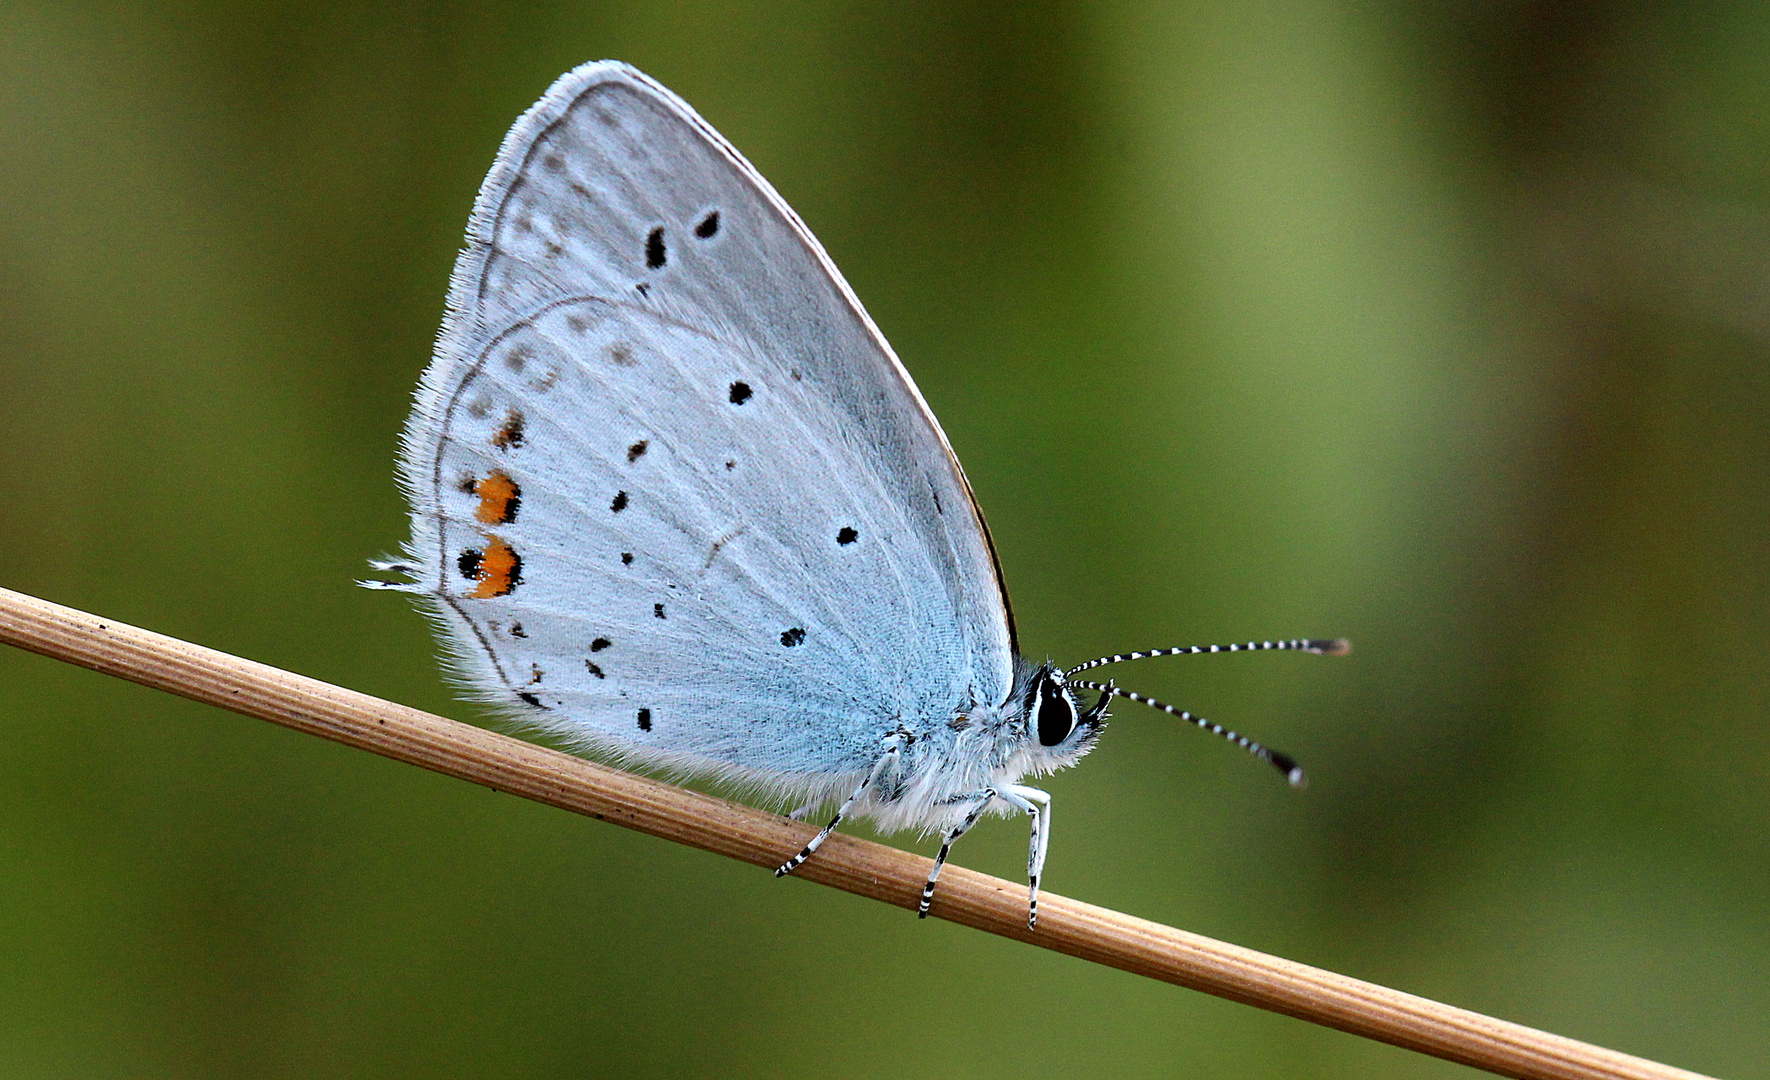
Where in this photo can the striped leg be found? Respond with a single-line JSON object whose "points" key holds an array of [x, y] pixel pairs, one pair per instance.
{"points": [[946, 845], [887, 758], [1038, 804]]}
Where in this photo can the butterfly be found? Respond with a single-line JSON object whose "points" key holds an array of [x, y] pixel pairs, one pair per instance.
{"points": [[676, 503]]}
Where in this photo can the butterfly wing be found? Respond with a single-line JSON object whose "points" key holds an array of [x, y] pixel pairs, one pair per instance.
{"points": [[672, 491]]}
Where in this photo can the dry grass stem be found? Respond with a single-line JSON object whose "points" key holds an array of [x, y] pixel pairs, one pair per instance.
{"points": [[857, 866]]}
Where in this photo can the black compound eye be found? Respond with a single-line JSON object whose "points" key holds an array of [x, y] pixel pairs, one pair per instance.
{"points": [[1057, 716]]}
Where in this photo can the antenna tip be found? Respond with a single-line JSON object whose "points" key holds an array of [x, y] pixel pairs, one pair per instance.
{"points": [[1335, 647], [1293, 772]]}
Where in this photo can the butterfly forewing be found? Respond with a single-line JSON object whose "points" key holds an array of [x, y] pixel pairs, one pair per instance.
{"points": [[670, 485]]}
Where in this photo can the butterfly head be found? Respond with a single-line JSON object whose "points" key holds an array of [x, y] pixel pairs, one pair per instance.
{"points": [[1058, 730]]}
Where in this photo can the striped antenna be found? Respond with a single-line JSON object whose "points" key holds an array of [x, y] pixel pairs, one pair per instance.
{"points": [[1318, 646], [1284, 763]]}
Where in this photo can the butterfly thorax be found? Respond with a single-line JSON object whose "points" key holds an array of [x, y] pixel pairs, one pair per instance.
{"points": [[939, 774]]}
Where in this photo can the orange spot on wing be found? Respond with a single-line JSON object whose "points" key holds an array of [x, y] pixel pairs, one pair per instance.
{"points": [[498, 499], [500, 568], [509, 436]]}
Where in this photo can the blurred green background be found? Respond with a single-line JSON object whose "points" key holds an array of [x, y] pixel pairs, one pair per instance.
{"points": [[1445, 327]]}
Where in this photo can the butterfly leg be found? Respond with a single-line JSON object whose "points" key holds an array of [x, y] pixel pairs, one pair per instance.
{"points": [[1038, 805], [893, 748], [982, 800]]}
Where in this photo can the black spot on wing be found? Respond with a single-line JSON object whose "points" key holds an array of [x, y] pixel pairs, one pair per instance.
{"points": [[600, 644], [846, 535], [516, 630], [619, 502], [708, 226], [644, 719], [740, 392], [637, 450], [792, 637], [654, 249], [626, 558], [469, 563], [530, 699], [594, 670], [657, 611]]}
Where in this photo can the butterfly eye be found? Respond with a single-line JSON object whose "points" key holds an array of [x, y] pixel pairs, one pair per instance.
{"points": [[1057, 714]]}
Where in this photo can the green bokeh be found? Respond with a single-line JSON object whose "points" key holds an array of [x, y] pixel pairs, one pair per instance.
{"points": [[1443, 327]]}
